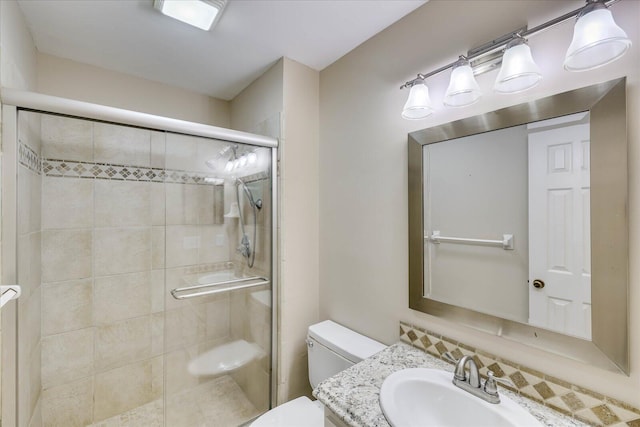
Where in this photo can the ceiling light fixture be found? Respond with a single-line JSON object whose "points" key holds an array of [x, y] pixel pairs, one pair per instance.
{"points": [[199, 13], [597, 41]]}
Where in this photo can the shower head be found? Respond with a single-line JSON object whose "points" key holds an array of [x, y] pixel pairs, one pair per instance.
{"points": [[253, 202], [245, 248]]}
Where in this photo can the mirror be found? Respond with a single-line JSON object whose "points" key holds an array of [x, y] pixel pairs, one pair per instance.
{"points": [[518, 223]]}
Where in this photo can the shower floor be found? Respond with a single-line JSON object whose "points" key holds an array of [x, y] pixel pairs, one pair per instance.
{"points": [[216, 403]]}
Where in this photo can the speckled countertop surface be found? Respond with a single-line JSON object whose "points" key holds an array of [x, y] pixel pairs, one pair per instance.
{"points": [[353, 394]]}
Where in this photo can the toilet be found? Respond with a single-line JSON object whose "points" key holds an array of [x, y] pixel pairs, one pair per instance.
{"points": [[331, 348]]}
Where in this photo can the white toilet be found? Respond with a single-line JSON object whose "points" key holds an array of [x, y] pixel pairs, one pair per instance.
{"points": [[332, 348]]}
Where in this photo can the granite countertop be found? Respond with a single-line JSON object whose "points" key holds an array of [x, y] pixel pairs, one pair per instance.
{"points": [[353, 394]]}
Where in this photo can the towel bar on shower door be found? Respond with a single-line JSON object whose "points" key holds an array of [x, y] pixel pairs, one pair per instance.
{"points": [[7, 293], [506, 243], [261, 281]]}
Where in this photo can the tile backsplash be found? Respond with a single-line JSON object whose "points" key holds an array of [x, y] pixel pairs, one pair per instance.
{"points": [[585, 405]]}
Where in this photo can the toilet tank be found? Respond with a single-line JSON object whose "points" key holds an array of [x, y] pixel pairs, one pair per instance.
{"points": [[333, 348]]}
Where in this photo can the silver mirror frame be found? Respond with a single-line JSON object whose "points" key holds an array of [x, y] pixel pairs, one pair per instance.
{"points": [[609, 348]]}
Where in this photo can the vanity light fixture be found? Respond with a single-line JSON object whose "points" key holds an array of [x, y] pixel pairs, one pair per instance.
{"points": [[252, 158], [463, 89], [518, 72], [597, 41], [198, 13], [418, 105], [232, 159]]}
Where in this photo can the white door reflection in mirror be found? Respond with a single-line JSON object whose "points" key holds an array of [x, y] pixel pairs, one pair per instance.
{"points": [[559, 226]]}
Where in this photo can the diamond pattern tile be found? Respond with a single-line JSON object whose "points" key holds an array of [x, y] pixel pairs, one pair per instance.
{"points": [[544, 390], [519, 380], [572, 401], [496, 369], [457, 353], [62, 167], [29, 158], [79, 169], [53, 167], [583, 404], [441, 347], [425, 341], [604, 414]]}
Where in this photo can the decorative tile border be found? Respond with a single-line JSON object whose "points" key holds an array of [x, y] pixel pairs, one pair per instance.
{"points": [[585, 405], [74, 169], [29, 158]]}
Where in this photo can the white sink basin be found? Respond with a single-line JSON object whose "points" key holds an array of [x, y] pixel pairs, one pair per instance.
{"points": [[421, 397]]}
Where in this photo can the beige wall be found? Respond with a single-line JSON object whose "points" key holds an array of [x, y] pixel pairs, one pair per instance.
{"points": [[259, 101], [299, 179], [83, 82], [363, 165], [17, 51]]}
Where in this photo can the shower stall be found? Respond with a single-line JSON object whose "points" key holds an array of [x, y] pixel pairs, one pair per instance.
{"points": [[144, 248]]}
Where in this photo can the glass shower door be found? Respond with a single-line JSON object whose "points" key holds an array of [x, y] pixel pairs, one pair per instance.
{"points": [[110, 219], [218, 293]]}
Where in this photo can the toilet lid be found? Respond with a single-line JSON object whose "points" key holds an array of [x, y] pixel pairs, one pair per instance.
{"points": [[295, 413]]}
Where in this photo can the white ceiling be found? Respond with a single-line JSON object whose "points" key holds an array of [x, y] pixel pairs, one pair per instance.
{"points": [[132, 37]]}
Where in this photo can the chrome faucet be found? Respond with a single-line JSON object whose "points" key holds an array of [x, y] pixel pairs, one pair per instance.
{"points": [[471, 383]]}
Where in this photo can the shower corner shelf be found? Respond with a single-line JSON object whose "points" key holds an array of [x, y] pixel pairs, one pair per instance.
{"points": [[224, 358], [234, 211]]}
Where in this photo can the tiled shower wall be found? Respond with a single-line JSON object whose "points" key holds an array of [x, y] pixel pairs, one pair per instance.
{"points": [[118, 215], [102, 273]]}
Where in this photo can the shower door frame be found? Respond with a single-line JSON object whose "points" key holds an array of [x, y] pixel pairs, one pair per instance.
{"points": [[14, 100]]}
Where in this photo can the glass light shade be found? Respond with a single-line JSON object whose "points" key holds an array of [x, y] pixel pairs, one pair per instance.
{"points": [[212, 163], [229, 166], [418, 105], [597, 41], [463, 89], [243, 160], [252, 158], [518, 72]]}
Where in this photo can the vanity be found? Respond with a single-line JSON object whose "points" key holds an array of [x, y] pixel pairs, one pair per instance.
{"points": [[351, 398]]}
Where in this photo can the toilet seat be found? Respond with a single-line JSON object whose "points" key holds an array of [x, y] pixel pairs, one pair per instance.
{"points": [[295, 413]]}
